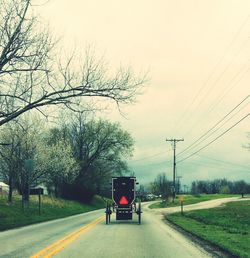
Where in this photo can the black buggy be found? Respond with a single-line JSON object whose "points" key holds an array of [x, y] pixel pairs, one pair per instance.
{"points": [[124, 200]]}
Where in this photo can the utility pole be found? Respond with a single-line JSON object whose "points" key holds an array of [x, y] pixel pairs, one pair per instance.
{"points": [[178, 184], [185, 189], [173, 142]]}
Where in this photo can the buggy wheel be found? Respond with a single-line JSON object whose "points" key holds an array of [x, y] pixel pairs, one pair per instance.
{"points": [[139, 213], [107, 214]]}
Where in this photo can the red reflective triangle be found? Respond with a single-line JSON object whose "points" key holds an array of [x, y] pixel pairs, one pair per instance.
{"points": [[123, 200]]}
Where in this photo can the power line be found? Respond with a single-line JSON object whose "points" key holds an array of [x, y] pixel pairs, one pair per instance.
{"points": [[166, 162], [224, 162], [214, 126], [214, 131], [226, 90], [212, 72], [151, 156], [219, 97], [189, 156], [220, 167], [219, 77]]}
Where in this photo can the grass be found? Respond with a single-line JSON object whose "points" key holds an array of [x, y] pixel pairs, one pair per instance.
{"points": [[189, 199], [227, 227], [12, 216]]}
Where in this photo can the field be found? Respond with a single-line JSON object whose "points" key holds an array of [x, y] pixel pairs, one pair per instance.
{"points": [[227, 227], [12, 216], [189, 199]]}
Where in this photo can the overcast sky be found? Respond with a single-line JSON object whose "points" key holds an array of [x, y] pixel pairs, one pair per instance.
{"points": [[197, 54]]}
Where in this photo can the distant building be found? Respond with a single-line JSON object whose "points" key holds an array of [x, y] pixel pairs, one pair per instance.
{"points": [[4, 188], [151, 196], [45, 189]]}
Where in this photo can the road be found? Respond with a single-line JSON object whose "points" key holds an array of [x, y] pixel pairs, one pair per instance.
{"points": [[200, 205], [86, 235]]}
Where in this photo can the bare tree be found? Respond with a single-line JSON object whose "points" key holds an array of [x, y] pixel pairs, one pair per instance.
{"points": [[21, 139], [98, 150], [30, 78], [161, 186], [8, 160]]}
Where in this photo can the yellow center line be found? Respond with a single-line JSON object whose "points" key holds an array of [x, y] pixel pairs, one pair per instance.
{"points": [[60, 244]]}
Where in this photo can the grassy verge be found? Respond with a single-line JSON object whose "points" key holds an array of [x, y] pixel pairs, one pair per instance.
{"points": [[12, 216], [227, 227], [189, 199]]}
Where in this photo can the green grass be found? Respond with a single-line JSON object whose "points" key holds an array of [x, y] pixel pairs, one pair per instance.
{"points": [[227, 227], [189, 199], [12, 216]]}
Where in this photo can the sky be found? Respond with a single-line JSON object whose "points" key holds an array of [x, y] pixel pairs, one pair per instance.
{"points": [[196, 53]]}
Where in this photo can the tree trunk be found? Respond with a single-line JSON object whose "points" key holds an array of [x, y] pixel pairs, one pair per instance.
{"points": [[10, 189], [56, 190]]}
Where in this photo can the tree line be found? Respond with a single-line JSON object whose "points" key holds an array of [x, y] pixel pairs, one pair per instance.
{"points": [[222, 186], [162, 186], [74, 159]]}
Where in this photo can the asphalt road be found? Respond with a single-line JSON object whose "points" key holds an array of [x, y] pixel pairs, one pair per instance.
{"points": [[152, 239], [26, 241], [86, 235]]}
